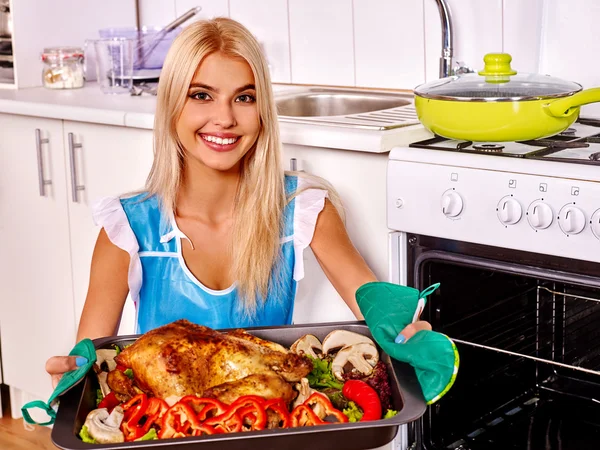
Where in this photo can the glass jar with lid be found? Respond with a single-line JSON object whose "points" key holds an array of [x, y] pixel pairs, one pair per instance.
{"points": [[63, 68]]}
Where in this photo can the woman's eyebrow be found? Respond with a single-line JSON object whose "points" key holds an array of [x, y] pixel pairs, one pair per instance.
{"points": [[246, 87], [213, 89], [203, 86]]}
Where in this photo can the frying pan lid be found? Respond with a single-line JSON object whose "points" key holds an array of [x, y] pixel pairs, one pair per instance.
{"points": [[497, 82]]}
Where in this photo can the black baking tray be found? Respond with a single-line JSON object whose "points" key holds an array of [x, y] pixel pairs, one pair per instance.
{"points": [[407, 399]]}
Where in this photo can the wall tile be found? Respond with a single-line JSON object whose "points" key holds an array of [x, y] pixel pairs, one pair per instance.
{"points": [[523, 32], [321, 38], [210, 8], [268, 21], [570, 44], [156, 13], [389, 43], [477, 30]]}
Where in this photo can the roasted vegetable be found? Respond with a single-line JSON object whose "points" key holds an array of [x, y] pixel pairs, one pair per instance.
{"points": [[321, 375], [364, 396], [276, 408], [353, 412], [378, 380], [109, 402], [321, 401], [180, 421], [85, 435]]}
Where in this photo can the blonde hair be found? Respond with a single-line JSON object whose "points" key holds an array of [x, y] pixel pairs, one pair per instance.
{"points": [[260, 200]]}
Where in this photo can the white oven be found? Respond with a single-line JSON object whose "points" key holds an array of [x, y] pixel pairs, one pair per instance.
{"points": [[512, 233]]}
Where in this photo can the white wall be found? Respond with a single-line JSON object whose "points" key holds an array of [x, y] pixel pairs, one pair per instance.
{"points": [[373, 43], [38, 24]]}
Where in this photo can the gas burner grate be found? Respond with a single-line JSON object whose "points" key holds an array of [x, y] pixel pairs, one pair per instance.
{"points": [[489, 148], [593, 139], [568, 132], [551, 144]]}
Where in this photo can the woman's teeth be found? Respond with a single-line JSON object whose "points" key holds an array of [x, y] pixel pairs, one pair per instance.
{"points": [[218, 140]]}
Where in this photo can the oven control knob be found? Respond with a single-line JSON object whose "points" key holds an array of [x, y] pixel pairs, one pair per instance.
{"points": [[595, 223], [540, 215], [452, 203], [571, 219], [509, 211]]}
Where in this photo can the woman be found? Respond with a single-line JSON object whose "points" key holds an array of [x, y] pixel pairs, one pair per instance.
{"points": [[218, 234]]}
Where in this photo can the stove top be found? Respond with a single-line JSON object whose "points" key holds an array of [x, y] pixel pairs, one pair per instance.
{"points": [[578, 144]]}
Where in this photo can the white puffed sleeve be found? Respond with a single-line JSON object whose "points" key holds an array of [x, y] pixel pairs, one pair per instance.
{"points": [[109, 214], [308, 204]]}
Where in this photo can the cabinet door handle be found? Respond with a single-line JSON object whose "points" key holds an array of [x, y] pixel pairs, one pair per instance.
{"points": [[74, 186], [40, 161]]}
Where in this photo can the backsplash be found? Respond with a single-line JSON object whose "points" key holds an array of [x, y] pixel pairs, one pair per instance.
{"points": [[371, 43]]}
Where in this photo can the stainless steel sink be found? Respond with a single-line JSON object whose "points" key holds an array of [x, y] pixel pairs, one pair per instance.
{"points": [[322, 102], [358, 108]]}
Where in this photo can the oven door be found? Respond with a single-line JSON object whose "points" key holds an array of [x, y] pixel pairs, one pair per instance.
{"points": [[527, 328]]}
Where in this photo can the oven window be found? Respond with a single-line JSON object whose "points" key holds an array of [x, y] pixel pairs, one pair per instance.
{"points": [[530, 359]]}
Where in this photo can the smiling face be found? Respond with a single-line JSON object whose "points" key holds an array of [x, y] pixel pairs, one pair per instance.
{"points": [[220, 122]]}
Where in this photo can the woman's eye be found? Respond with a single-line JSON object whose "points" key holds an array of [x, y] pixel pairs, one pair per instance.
{"points": [[246, 98], [200, 96]]}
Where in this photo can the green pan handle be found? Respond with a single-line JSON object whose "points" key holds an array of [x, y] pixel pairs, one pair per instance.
{"points": [[566, 106]]}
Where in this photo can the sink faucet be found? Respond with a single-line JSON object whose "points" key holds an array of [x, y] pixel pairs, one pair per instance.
{"points": [[447, 39]]}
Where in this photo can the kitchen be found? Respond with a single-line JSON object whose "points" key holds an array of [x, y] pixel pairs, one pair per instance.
{"points": [[382, 45]]}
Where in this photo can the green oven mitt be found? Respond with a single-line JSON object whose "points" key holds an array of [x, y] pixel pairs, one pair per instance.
{"points": [[387, 309], [84, 348]]}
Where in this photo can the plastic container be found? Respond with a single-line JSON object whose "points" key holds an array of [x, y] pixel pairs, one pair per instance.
{"points": [[114, 64], [407, 399], [63, 68], [145, 37]]}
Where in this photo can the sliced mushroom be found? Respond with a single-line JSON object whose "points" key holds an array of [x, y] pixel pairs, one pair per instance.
{"points": [[338, 339], [362, 356], [307, 345], [106, 355], [305, 391], [102, 377], [105, 427]]}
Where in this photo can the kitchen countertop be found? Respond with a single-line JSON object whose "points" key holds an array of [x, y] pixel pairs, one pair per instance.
{"points": [[89, 104]]}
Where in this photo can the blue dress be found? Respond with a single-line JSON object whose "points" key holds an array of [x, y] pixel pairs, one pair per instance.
{"points": [[164, 289]]}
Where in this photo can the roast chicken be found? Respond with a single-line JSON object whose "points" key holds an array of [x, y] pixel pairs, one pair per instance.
{"points": [[182, 358]]}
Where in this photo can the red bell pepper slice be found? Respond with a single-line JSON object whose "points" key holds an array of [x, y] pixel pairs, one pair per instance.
{"points": [[157, 408], [205, 407], [109, 402], [251, 410], [277, 405], [325, 403], [303, 416], [364, 396], [253, 418], [134, 409], [228, 422], [180, 420]]}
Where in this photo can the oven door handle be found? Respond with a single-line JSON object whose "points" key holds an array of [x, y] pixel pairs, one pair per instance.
{"points": [[517, 269]]}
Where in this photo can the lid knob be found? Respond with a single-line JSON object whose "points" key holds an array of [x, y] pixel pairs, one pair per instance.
{"points": [[497, 65]]}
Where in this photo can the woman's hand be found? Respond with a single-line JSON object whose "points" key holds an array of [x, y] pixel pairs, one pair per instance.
{"points": [[411, 329], [59, 365]]}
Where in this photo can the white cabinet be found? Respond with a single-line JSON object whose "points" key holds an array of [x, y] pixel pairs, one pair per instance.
{"points": [[106, 161], [47, 234], [360, 180], [36, 293]]}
